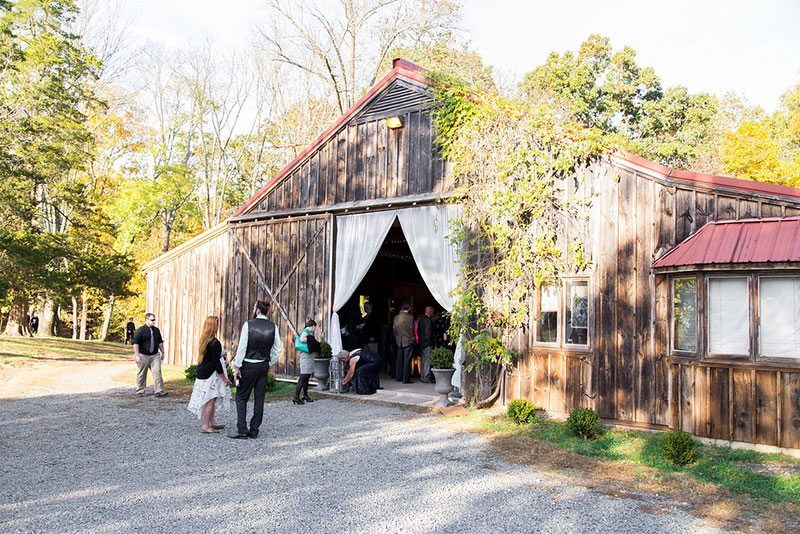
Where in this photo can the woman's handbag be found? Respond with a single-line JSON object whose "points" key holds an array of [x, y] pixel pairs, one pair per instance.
{"points": [[313, 345]]}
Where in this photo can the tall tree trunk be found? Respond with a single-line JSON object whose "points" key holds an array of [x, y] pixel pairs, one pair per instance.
{"points": [[84, 301], [17, 324], [107, 317], [74, 317], [47, 321]]}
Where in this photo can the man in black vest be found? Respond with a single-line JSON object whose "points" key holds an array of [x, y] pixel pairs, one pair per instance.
{"points": [[259, 347]]}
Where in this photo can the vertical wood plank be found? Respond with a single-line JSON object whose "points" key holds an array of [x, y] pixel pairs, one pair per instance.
{"points": [[766, 408], [743, 417], [719, 407], [626, 307], [726, 208], [790, 411]]}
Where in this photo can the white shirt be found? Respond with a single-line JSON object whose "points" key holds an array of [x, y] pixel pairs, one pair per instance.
{"points": [[241, 350]]}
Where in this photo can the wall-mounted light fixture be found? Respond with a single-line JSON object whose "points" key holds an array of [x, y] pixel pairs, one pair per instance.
{"points": [[394, 122]]}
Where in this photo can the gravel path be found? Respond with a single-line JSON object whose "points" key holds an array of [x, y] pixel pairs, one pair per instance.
{"points": [[110, 462]]}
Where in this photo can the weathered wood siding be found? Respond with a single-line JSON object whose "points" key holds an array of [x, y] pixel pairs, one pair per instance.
{"points": [[185, 288], [361, 162], [628, 375], [292, 257]]}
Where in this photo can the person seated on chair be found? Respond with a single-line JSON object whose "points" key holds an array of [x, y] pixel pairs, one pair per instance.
{"points": [[363, 368]]}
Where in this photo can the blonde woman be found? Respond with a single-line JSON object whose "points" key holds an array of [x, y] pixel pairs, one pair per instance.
{"points": [[211, 387]]}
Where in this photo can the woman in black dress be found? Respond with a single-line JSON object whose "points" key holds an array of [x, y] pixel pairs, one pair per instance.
{"points": [[363, 369]]}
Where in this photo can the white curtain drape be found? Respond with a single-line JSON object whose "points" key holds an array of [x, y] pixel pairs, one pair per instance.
{"points": [[427, 230], [358, 240]]}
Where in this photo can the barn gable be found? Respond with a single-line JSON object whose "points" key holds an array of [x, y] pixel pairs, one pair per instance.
{"points": [[359, 158]]}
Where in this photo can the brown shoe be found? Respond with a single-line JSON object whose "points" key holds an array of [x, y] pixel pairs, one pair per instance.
{"points": [[217, 427], [161, 394]]}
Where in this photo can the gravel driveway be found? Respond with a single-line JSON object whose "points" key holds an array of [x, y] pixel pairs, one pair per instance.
{"points": [[111, 462]]}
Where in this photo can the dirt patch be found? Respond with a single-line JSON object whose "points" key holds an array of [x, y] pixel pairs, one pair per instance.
{"points": [[771, 469], [58, 377]]}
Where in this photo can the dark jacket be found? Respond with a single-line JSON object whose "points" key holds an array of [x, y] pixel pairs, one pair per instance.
{"points": [[211, 360], [142, 338], [425, 331]]}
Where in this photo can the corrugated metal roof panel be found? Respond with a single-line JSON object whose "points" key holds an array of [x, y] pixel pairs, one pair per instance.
{"points": [[743, 241]]}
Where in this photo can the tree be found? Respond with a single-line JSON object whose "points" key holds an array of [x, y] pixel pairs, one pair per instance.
{"points": [[45, 88], [344, 45]]}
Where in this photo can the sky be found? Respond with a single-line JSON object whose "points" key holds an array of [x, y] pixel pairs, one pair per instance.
{"points": [[748, 47]]}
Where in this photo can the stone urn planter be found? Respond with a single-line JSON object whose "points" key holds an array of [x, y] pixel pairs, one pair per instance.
{"points": [[444, 386], [321, 366], [442, 367]]}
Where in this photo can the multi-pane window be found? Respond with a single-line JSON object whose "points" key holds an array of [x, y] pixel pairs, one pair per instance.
{"points": [[779, 317], [684, 314], [547, 320], [562, 316], [747, 316], [728, 316]]}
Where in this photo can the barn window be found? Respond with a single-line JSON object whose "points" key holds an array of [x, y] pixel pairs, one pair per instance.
{"points": [[563, 314], [779, 316], [684, 314], [576, 306], [728, 316], [547, 322]]}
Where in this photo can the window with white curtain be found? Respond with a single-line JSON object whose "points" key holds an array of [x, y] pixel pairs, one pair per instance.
{"points": [[547, 324], [728, 316], [779, 317], [684, 314]]}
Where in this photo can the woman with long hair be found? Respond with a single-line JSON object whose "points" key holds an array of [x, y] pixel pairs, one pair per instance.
{"points": [[307, 355], [211, 386]]}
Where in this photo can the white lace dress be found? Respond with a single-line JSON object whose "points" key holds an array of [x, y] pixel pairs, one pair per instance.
{"points": [[210, 388]]}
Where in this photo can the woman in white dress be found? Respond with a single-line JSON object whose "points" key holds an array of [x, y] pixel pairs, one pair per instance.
{"points": [[211, 387]]}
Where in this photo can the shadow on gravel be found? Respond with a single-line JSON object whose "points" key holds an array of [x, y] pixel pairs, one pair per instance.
{"points": [[116, 463]]}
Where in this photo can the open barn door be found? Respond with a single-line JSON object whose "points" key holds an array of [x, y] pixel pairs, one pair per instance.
{"points": [[286, 262]]}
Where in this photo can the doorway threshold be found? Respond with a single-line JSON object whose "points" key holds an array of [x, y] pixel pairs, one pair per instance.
{"points": [[414, 394]]}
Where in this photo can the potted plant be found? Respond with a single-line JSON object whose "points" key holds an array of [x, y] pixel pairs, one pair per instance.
{"points": [[321, 366], [442, 367]]}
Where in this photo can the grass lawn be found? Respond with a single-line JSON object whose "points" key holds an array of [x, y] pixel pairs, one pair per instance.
{"points": [[176, 383], [15, 349], [729, 486]]}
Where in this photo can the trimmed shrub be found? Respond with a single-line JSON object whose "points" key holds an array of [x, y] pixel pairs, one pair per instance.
{"points": [[441, 358], [584, 423], [272, 384], [325, 351], [522, 412], [679, 447], [191, 373]]}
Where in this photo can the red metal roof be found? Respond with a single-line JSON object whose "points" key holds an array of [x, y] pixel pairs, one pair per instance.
{"points": [[768, 240], [710, 179]]}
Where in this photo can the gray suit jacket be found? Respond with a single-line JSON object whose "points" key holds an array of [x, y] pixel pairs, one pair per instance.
{"points": [[404, 329]]}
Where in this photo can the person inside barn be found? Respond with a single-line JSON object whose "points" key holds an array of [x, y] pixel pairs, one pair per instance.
{"points": [[403, 327], [259, 348], [363, 367]]}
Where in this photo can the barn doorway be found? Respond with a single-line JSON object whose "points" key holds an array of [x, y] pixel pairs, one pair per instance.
{"points": [[393, 278]]}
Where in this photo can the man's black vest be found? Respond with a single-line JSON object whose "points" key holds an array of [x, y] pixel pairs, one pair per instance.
{"points": [[260, 337]]}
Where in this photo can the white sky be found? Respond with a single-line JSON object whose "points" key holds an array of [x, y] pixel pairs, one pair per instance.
{"points": [[750, 47]]}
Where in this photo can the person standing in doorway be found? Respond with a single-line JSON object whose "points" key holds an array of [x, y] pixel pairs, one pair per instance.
{"points": [[425, 332], [259, 348], [403, 328], [148, 352], [130, 329], [369, 329]]}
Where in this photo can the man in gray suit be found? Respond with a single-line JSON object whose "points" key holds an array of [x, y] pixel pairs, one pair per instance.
{"points": [[404, 337]]}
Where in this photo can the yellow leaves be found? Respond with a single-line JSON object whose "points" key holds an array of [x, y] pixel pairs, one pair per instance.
{"points": [[752, 153]]}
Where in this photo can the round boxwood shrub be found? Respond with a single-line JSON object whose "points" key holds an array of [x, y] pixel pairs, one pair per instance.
{"points": [[441, 358], [325, 351], [584, 423], [272, 384], [679, 447], [522, 412]]}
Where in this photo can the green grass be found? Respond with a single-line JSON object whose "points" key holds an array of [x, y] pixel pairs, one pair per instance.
{"points": [[715, 465], [32, 348]]}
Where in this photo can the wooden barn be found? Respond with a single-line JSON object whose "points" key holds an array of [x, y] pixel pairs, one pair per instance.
{"points": [[689, 316]]}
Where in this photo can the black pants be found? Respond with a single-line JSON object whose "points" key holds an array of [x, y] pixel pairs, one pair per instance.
{"points": [[253, 380], [302, 384], [402, 366]]}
